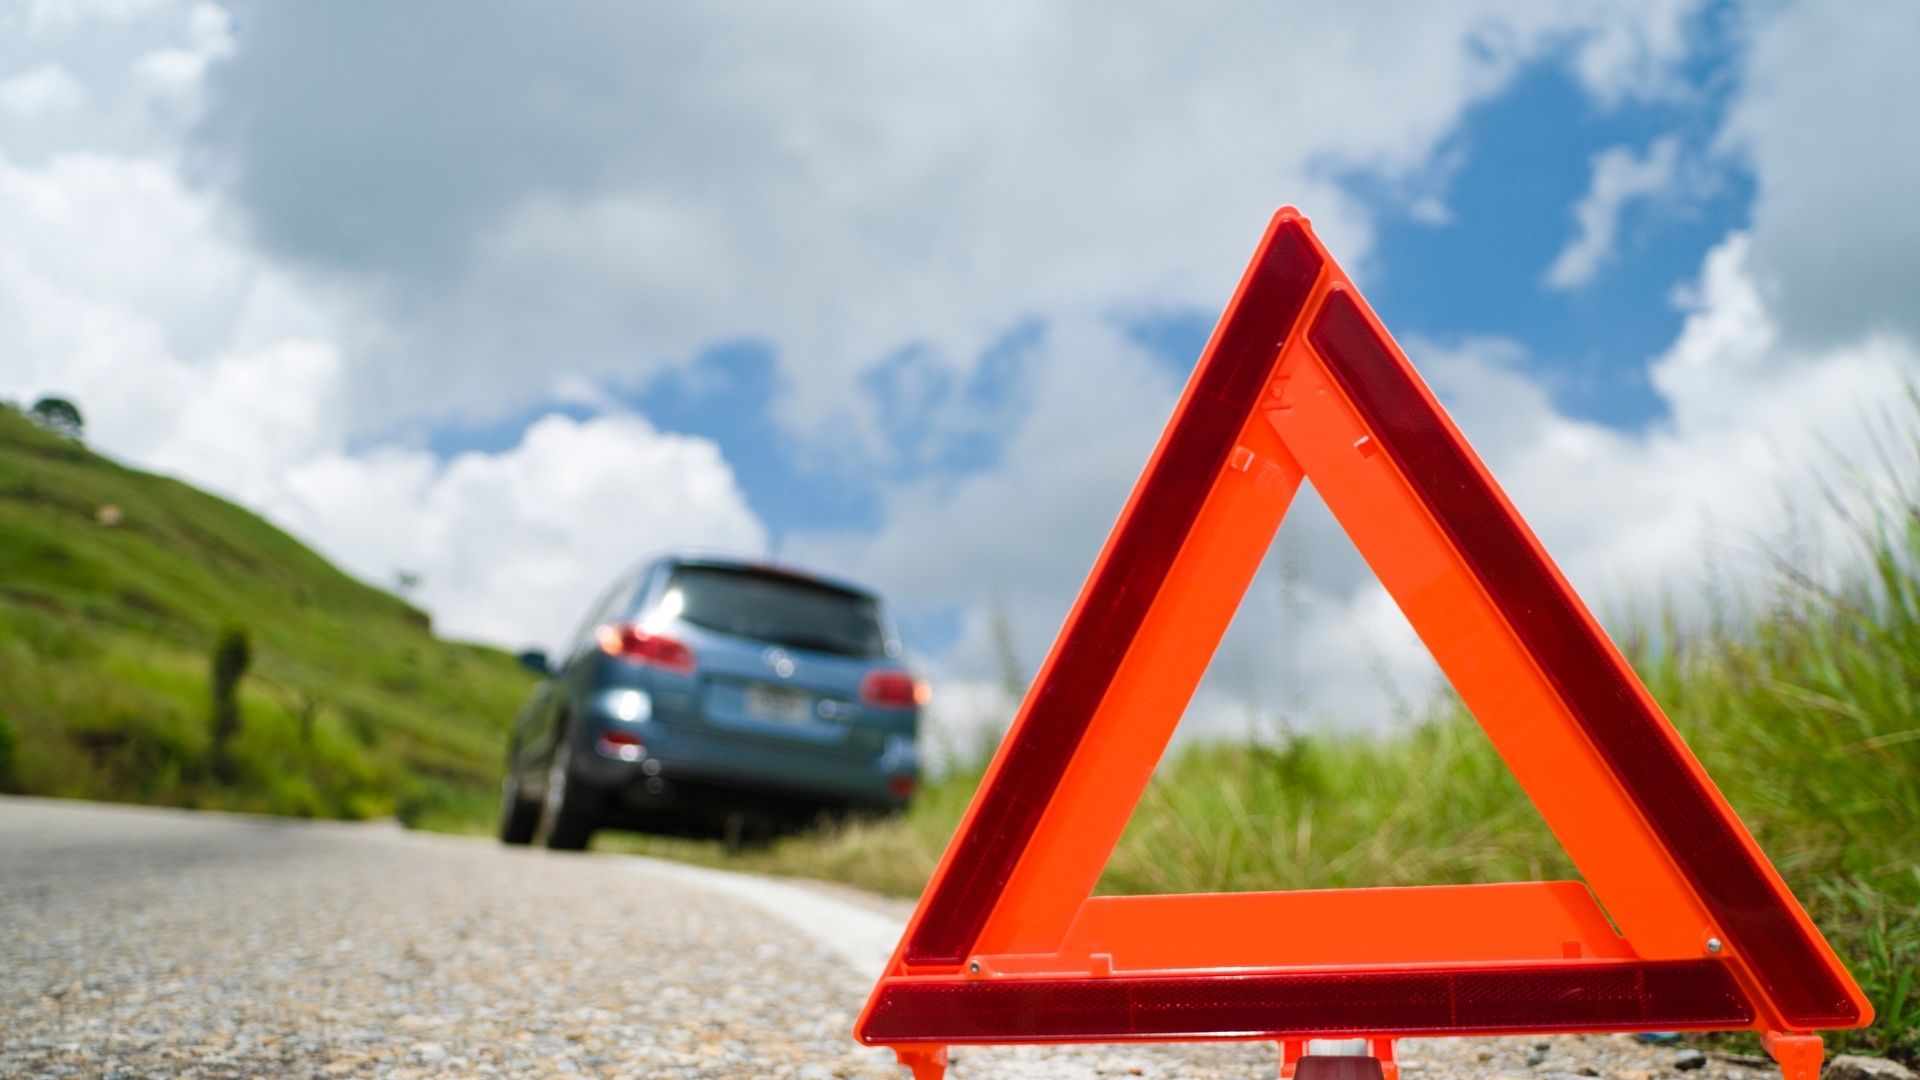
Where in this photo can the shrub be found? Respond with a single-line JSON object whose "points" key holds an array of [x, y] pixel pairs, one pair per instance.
{"points": [[6, 753], [231, 656], [58, 415]]}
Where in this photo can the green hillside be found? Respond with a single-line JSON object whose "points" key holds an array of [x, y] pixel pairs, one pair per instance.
{"points": [[115, 586]]}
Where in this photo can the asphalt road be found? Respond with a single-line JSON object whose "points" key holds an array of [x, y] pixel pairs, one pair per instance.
{"points": [[140, 942]]}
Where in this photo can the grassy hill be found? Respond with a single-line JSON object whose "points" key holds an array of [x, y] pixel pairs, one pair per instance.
{"points": [[114, 587]]}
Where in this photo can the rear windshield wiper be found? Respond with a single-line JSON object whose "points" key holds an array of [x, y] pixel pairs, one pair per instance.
{"points": [[821, 644]]}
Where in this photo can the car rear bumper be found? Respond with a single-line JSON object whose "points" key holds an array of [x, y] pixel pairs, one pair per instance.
{"points": [[650, 758]]}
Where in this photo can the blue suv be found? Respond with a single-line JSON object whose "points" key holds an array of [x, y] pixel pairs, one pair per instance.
{"points": [[714, 696]]}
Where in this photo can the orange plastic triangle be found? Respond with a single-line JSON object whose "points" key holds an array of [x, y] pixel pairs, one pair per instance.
{"points": [[1301, 381]]}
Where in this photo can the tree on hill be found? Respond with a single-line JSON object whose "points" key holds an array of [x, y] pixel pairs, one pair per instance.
{"points": [[58, 415]]}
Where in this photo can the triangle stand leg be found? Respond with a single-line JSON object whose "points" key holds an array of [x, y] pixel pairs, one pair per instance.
{"points": [[1354, 1067], [927, 1062], [1301, 1060], [1799, 1055]]}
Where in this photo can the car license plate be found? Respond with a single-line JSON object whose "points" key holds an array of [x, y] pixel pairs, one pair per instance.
{"points": [[779, 703]]}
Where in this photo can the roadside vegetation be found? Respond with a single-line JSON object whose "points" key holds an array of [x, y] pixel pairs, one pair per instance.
{"points": [[161, 645], [1806, 712]]}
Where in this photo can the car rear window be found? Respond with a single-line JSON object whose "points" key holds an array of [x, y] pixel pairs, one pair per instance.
{"points": [[780, 609]]}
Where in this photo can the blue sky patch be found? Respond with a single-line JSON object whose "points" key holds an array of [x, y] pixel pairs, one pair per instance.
{"points": [[1522, 161], [727, 395], [1527, 161]]}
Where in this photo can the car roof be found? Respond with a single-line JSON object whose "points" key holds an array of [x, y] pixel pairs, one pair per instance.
{"points": [[769, 569]]}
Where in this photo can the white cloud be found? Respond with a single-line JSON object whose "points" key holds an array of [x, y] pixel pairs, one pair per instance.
{"points": [[1825, 105], [41, 92], [121, 287], [613, 191], [63, 16], [1756, 428], [1027, 531], [1619, 178], [1637, 58], [174, 74], [514, 545]]}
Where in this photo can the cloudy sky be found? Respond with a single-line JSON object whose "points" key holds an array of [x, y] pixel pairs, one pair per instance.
{"points": [[510, 296]]}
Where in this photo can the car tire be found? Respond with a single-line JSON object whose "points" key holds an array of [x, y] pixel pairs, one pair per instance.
{"points": [[569, 811], [518, 817]]}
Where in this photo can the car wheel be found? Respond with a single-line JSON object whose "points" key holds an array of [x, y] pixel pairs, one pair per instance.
{"points": [[567, 813], [518, 817]]}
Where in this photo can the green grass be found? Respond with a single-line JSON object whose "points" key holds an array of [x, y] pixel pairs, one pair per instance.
{"points": [[1807, 715], [352, 708], [1804, 714]]}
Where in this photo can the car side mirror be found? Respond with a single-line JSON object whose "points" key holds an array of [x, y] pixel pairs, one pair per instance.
{"points": [[535, 660]]}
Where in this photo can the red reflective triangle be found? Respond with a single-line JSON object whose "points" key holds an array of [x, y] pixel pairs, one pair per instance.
{"points": [[1301, 381]]}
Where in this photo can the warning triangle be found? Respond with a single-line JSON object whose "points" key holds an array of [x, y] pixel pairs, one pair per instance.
{"points": [[1300, 381]]}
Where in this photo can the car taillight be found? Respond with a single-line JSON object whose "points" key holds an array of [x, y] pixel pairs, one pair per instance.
{"points": [[629, 642], [901, 786], [892, 689], [623, 745]]}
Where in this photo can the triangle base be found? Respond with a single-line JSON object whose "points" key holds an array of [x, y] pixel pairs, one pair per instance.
{"points": [[1520, 999]]}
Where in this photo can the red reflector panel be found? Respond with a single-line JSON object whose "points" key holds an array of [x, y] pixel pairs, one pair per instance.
{"points": [[1636, 996], [1143, 550], [1600, 692]]}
